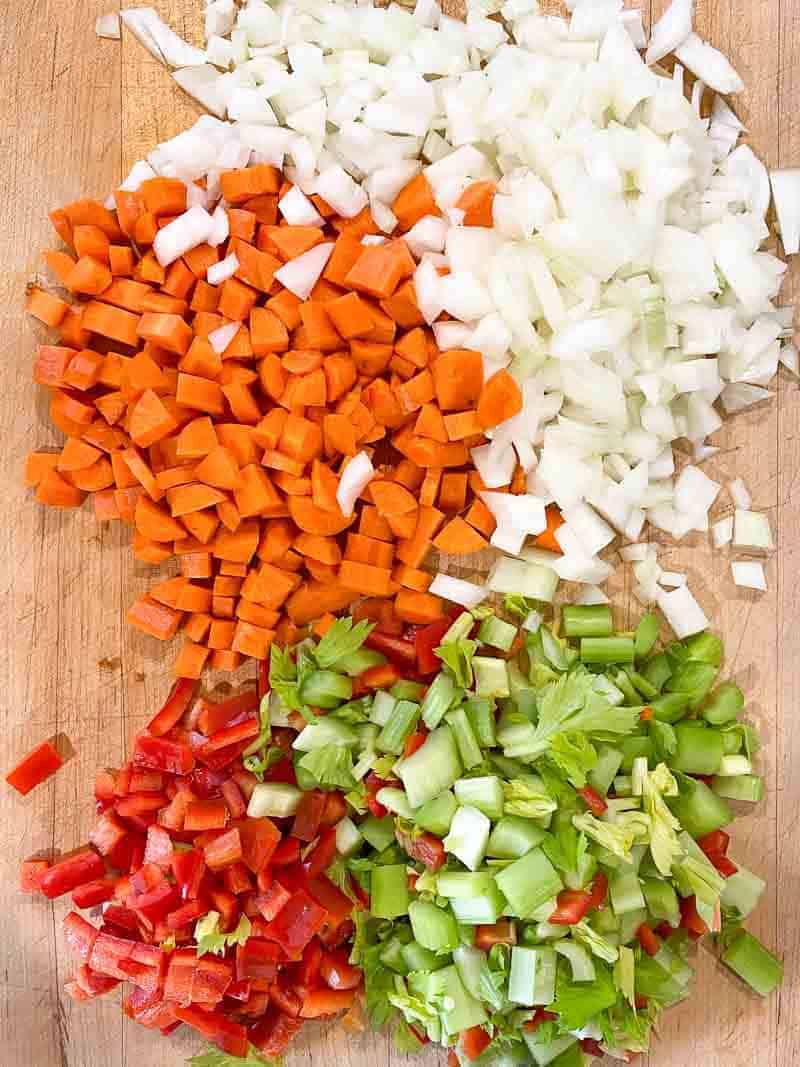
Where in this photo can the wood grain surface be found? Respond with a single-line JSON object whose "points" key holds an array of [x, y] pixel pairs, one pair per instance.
{"points": [[75, 112]]}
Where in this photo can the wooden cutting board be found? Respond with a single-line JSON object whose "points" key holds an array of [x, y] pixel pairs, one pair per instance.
{"points": [[75, 112]]}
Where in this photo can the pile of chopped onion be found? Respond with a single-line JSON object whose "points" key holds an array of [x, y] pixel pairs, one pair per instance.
{"points": [[623, 282]]}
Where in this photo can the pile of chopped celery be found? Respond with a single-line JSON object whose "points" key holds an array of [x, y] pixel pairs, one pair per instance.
{"points": [[538, 828]]}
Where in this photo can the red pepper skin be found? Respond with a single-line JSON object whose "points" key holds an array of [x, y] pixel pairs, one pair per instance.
{"points": [[690, 920], [539, 1016], [67, 875], [230, 1036], [272, 1034], [717, 841], [257, 963], [323, 855], [92, 893], [415, 742], [331, 898], [271, 902], [725, 866], [260, 838], [173, 708], [593, 801], [648, 940], [598, 891], [400, 652], [223, 850], [262, 679], [80, 935], [321, 1002], [335, 809], [39, 765], [503, 932], [163, 755], [285, 999], [425, 847], [296, 923], [592, 1047], [188, 869], [426, 640], [474, 1042], [288, 851], [573, 905], [309, 815], [231, 735], [187, 913]]}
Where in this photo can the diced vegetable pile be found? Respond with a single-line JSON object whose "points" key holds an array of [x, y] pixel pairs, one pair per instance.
{"points": [[520, 832]]}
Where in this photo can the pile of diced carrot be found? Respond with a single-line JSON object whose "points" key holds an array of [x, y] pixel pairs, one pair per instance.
{"points": [[231, 461]]}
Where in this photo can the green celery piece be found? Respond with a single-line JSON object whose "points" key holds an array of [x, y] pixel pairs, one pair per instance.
{"points": [[392, 956], [753, 963], [484, 793], [731, 742], [383, 705], [497, 633], [646, 636], [434, 928], [389, 897], [587, 620], [699, 749], [641, 684], [395, 801], [437, 815], [634, 747], [405, 690], [326, 731], [325, 689], [482, 910], [609, 761], [463, 1011], [468, 747], [275, 800], [529, 882], [526, 965], [417, 958], [724, 705], [629, 923], [577, 1002], [579, 960], [513, 836], [661, 899], [439, 698], [706, 648], [657, 670], [468, 836], [748, 787], [670, 707], [694, 678], [331, 766], [432, 769], [625, 891], [491, 677], [605, 650], [480, 713], [399, 727], [549, 1052], [460, 884], [378, 832], [698, 809], [742, 892], [357, 662]]}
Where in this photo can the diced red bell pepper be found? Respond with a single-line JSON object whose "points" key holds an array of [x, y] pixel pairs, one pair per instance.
{"points": [[74, 991], [212, 717], [257, 962], [338, 906], [146, 781], [474, 1042], [80, 936], [338, 973], [539, 1016], [246, 781], [232, 795], [149, 1010], [333, 936], [320, 1002], [691, 921], [283, 771], [335, 809], [156, 904], [573, 905], [206, 815], [717, 841], [308, 970], [237, 879], [206, 782], [726, 867], [273, 1034], [288, 851], [188, 869], [415, 742], [503, 932], [285, 999], [229, 1036], [224, 850], [426, 641], [232, 735], [174, 757], [94, 984], [29, 874], [262, 678], [188, 913], [107, 953], [120, 919], [296, 923], [593, 801], [178, 982], [140, 804], [226, 904], [403, 653], [598, 891], [425, 847], [238, 991], [271, 902], [67, 875], [122, 782], [649, 941], [260, 838], [107, 833], [104, 781], [91, 893], [173, 708], [146, 878], [323, 854], [159, 849], [39, 765], [592, 1047], [210, 980], [309, 814]]}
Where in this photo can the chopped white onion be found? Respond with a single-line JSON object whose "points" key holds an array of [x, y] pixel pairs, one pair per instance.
{"points": [[671, 30], [749, 575], [751, 530], [722, 532], [220, 338], [217, 273], [458, 591], [298, 210], [353, 481], [108, 26], [338, 189], [706, 62], [592, 594], [184, 233], [740, 495], [300, 275], [682, 611], [159, 40], [671, 579], [786, 193]]}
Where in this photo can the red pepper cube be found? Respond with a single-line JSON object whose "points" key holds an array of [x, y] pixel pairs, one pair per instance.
{"points": [[229, 1036], [155, 905], [323, 854], [92, 893], [224, 850], [260, 838], [107, 954], [187, 914], [296, 923], [161, 755], [188, 869], [271, 902], [35, 768], [309, 815], [257, 963], [174, 707], [273, 1034], [107, 833], [67, 875], [94, 984], [158, 849], [80, 935], [331, 898], [237, 879], [337, 972], [180, 969], [210, 980]]}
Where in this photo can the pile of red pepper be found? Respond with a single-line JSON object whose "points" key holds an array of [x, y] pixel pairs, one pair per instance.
{"points": [[172, 843]]}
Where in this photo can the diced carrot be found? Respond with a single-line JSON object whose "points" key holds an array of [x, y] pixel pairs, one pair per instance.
{"points": [[414, 550], [301, 439], [197, 565], [458, 379], [547, 539], [252, 640], [411, 578], [92, 213], [268, 333], [191, 660], [37, 465], [293, 241], [365, 578], [499, 401], [453, 491], [46, 308], [156, 523], [476, 202], [481, 518], [164, 196], [429, 490], [418, 608], [459, 538], [370, 359], [362, 549], [219, 468], [340, 376], [115, 323], [150, 420], [390, 498], [153, 618], [378, 271], [402, 307], [311, 519], [462, 425], [239, 186], [351, 316], [416, 392], [371, 524], [105, 509], [185, 499], [55, 490], [237, 546], [413, 202], [339, 435]]}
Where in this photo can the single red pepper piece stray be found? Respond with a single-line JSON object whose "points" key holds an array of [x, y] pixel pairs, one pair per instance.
{"points": [[503, 932], [648, 940], [691, 921], [426, 641], [415, 742], [323, 855], [402, 653], [539, 1016], [39, 765], [173, 708], [67, 875], [474, 1042], [593, 801], [425, 847], [573, 905], [337, 972], [598, 891]]}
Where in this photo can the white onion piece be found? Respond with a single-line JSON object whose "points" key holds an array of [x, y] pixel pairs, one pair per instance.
{"points": [[108, 26], [739, 395], [353, 481], [749, 575], [220, 338], [220, 227], [202, 84], [591, 594], [517, 516], [751, 530], [532, 622], [670, 31], [300, 275], [790, 358], [786, 193], [298, 210], [740, 495], [160, 41], [458, 591], [671, 579], [338, 189], [495, 465], [708, 63], [184, 233], [141, 171], [722, 532], [218, 273], [682, 611]]}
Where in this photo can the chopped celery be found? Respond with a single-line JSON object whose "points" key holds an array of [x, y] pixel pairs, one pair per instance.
{"points": [[273, 800], [468, 747], [646, 636], [396, 801], [417, 958], [587, 620], [406, 690], [485, 909], [325, 689], [602, 684], [638, 775], [433, 768], [705, 647], [641, 684], [662, 900], [634, 747], [327, 731], [546, 1052], [497, 633], [399, 727], [698, 809], [389, 891], [464, 883], [348, 837], [480, 713], [392, 956], [742, 891], [670, 708], [468, 836], [747, 787], [513, 837], [522, 975], [471, 964], [694, 679], [734, 766], [579, 959], [529, 882], [625, 891], [747, 957], [378, 832], [437, 815], [724, 705], [463, 1011], [609, 761], [459, 628], [434, 928], [382, 708], [358, 662], [440, 696], [626, 687], [629, 923], [485, 794], [699, 749], [606, 650], [731, 742], [491, 677], [657, 670]]}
